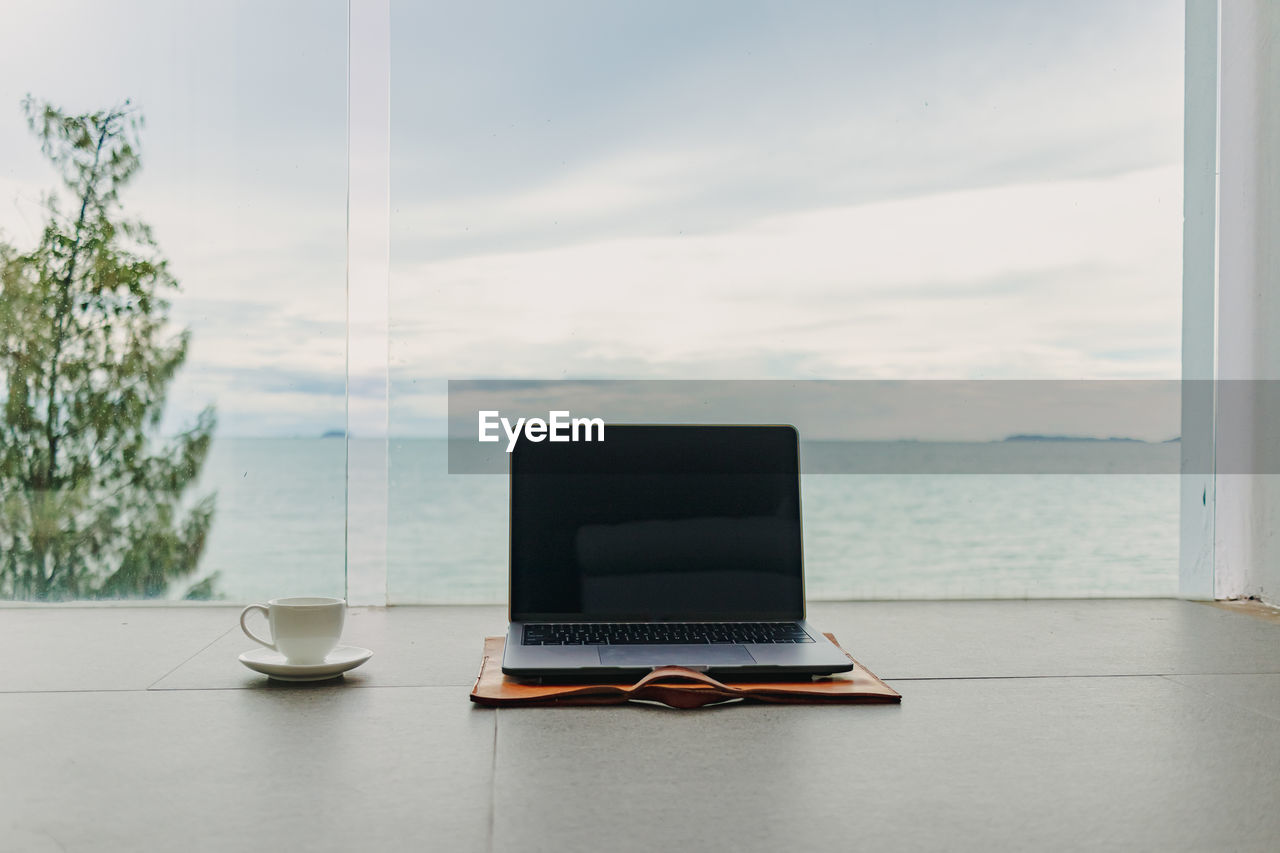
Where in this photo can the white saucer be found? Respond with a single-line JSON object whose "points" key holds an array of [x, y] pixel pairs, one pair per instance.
{"points": [[273, 663]]}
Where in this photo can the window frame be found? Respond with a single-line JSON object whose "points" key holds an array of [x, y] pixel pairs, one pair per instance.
{"points": [[368, 283]]}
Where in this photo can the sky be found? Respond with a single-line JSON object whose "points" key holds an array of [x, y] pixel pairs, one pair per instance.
{"points": [[901, 190]]}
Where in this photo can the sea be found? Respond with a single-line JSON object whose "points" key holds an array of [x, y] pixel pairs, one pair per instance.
{"points": [[280, 528]]}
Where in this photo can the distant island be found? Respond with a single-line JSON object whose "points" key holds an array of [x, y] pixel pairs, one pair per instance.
{"points": [[1034, 437], [334, 433]]}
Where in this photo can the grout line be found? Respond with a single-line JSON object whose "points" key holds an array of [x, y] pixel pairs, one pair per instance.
{"points": [[468, 684], [75, 690], [191, 658], [460, 685], [280, 685], [493, 780], [307, 685], [1077, 675]]}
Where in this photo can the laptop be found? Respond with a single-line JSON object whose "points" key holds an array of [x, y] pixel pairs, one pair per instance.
{"points": [[662, 545]]}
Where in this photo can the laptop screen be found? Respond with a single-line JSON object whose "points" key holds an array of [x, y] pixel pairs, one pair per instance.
{"points": [[658, 523]]}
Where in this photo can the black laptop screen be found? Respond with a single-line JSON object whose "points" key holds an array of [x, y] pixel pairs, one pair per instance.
{"points": [[663, 522]]}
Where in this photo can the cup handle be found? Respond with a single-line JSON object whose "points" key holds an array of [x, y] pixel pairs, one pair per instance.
{"points": [[250, 634]]}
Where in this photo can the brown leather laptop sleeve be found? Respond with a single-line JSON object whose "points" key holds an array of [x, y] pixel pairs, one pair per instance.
{"points": [[677, 687]]}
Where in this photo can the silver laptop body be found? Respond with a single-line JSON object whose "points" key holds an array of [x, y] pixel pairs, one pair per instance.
{"points": [[662, 545]]}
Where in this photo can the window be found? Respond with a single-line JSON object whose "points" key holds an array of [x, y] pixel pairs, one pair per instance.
{"points": [[868, 191], [907, 191], [242, 178]]}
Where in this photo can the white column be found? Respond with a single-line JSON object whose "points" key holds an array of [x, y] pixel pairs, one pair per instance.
{"points": [[368, 230], [1247, 559]]}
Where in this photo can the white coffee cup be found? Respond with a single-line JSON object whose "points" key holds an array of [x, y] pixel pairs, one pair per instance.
{"points": [[304, 629]]}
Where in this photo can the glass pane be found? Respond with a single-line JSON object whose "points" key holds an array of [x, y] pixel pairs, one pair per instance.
{"points": [[194, 366], [906, 190]]}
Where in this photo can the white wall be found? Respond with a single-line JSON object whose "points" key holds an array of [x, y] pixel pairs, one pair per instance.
{"points": [[1247, 558]]}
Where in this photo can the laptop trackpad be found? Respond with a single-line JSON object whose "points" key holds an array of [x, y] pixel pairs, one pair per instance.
{"points": [[675, 655]]}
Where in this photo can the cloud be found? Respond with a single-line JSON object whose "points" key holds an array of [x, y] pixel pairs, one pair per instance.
{"points": [[759, 112], [1025, 277], [644, 190]]}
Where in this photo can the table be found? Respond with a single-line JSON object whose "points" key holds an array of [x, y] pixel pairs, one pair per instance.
{"points": [[1149, 724]]}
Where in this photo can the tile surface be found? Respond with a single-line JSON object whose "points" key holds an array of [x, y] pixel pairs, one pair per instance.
{"points": [[102, 648], [1033, 764], [1030, 725], [412, 646], [1257, 693], [985, 639], [298, 767]]}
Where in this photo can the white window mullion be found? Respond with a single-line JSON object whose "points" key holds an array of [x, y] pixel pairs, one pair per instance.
{"points": [[368, 246], [1199, 273]]}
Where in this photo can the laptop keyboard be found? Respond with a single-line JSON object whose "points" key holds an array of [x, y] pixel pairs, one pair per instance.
{"points": [[660, 633]]}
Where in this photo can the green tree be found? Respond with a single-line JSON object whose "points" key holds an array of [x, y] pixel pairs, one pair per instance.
{"points": [[91, 501]]}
